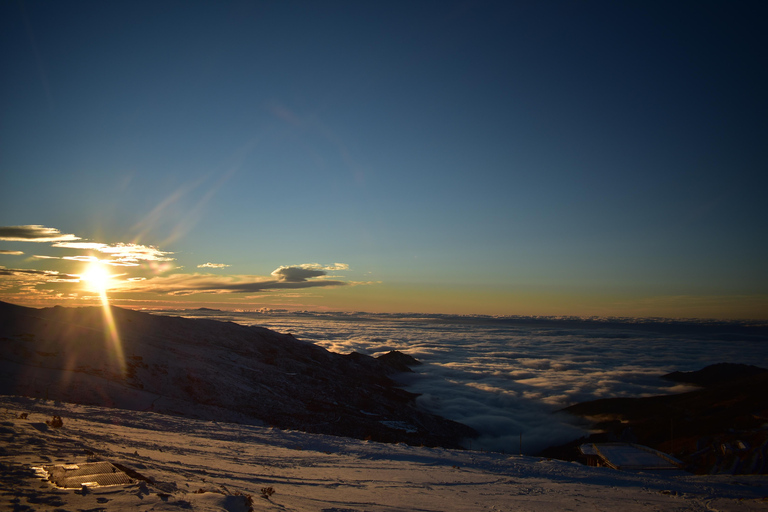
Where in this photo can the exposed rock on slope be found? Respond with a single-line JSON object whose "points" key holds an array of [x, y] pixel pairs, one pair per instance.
{"points": [[719, 428], [211, 370]]}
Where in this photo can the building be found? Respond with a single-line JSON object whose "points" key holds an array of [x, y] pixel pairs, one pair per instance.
{"points": [[628, 457]]}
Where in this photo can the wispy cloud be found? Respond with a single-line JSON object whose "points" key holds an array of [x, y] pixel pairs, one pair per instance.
{"points": [[11, 253], [34, 233], [175, 207], [213, 265], [120, 254]]}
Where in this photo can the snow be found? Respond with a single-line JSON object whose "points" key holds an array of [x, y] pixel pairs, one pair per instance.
{"points": [[213, 466]]}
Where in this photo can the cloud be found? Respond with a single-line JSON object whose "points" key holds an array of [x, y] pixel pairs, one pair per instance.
{"points": [[50, 276], [34, 233], [83, 258], [289, 278], [300, 273], [120, 254], [507, 377], [213, 265], [296, 274], [11, 253], [136, 252], [80, 245], [337, 266]]}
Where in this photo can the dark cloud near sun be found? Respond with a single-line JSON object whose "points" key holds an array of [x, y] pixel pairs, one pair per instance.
{"points": [[282, 285], [286, 278], [34, 233], [300, 273], [50, 275], [297, 274]]}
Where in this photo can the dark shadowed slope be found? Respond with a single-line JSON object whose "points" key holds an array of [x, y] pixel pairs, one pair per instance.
{"points": [[208, 369], [716, 374], [722, 427]]}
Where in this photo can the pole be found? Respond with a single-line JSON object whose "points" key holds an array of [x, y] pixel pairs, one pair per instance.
{"points": [[672, 436]]}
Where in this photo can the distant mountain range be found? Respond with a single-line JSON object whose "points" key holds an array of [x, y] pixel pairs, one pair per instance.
{"points": [[210, 370]]}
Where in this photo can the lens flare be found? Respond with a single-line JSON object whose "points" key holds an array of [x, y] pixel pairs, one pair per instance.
{"points": [[98, 279]]}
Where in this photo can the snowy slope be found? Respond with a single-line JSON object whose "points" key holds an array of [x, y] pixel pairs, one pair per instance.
{"points": [[205, 466], [209, 370]]}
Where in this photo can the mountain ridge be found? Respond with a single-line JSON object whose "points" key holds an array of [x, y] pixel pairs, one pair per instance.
{"points": [[208, 369]]}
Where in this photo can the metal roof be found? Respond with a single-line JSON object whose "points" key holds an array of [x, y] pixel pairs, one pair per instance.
{"points": [[91, 474]]}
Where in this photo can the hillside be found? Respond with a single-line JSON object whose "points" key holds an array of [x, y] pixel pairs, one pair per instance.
{"points": [[202, 466], [209, 370], [721, 427]]}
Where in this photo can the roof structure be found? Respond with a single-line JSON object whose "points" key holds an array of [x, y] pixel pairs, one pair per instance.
{"points": [[628, 457], [89, 474]]}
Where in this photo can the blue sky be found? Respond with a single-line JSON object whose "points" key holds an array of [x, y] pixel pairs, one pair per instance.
{"points": [[468, 157]]}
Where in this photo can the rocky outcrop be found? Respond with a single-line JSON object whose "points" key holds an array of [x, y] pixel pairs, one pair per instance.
{"points": [[719, 428], [211, 370], [716, 374]]}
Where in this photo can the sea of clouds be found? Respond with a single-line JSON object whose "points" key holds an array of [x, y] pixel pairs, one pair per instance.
{"points": [[507, 377]]}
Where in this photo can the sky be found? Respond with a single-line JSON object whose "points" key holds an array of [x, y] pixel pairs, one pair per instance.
{"points": [[502, 158]]}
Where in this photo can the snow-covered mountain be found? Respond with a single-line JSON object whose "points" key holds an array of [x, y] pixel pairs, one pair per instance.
{"points": [[210, 370]]}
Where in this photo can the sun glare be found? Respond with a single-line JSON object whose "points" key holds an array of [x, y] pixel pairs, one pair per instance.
{"points": [[96, 278]]}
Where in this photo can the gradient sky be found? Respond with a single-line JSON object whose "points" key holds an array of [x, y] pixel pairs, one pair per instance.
{"points": [[554, 158]]}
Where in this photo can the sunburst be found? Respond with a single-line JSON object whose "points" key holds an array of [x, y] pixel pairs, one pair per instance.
{"points": [[96, 278]]}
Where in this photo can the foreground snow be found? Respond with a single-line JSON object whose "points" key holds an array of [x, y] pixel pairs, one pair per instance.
{"points": [[204, 465]]}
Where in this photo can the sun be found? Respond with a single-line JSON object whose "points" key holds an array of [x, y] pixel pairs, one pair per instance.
{"points": [[96, 278]]}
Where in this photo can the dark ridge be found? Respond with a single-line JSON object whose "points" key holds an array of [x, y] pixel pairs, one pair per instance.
{"points": [[398, 361], [210, 370], [718, 428], [715, 374]]}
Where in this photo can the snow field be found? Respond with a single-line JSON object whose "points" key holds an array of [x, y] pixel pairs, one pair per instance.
{"points": [[309, 472]]}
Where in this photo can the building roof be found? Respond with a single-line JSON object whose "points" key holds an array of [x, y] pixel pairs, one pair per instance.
{"points": [[627, 456]]}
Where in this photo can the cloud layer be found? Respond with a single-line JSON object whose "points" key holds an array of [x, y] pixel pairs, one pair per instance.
{"points": [[507, 378]]}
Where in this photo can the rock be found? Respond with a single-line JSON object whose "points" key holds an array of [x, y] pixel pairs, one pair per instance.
{"points": [[398, 361]]}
